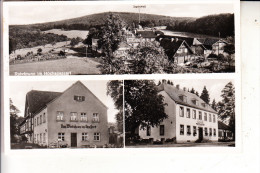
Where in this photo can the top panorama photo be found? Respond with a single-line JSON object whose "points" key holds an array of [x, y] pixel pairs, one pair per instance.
{"points": [[121, 39]]}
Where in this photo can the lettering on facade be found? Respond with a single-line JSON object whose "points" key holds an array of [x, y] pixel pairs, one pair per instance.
{"points": [[200, 123], [78, 127]]}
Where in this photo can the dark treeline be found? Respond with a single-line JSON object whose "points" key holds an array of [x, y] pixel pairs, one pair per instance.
{"points": [[209, 25], [26, 38]]}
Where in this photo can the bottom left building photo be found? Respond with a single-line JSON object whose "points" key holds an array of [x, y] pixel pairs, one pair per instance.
{"points": [[66, 114]]}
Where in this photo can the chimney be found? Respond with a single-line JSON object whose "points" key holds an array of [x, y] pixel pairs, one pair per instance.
{"points": [[184, 88], [178, 86], [172, 39]]}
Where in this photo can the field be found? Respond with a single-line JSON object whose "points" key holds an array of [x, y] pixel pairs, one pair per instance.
{"points": [[70, 33], [72, 65]]}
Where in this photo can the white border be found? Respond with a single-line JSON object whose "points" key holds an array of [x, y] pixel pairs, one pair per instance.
{"points": [[76, 155]]}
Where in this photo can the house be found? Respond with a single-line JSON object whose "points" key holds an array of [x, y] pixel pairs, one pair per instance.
{"points": [[218, 47], [177, 50], [73, 118], [189, 119], [123, 49], [146, 35], [224, 132], [196, 46]]}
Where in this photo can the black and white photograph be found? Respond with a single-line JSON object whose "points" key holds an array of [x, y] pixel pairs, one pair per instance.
{"points": [[66, 114], [92, 39], [179, 113]]}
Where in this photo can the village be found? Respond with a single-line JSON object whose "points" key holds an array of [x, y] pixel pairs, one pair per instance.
{"points": [[76, 55]]}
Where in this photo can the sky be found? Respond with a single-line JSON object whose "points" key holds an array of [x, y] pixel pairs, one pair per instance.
{"points": [[18, 91], [214, 86], [28, 13]]}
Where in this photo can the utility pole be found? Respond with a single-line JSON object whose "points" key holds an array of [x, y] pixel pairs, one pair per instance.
{"points": [[218, 41], [139, 9]]}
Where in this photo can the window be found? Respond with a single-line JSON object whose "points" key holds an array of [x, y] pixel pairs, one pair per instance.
{"points": [[148, 131], [84, 136], [214, 118], [194, 101], [40, 138], [95, 117], [181, 129], [44, 118], [183, 98], [206, 131], [79, 98], [188, 113], [44, 138], [35, 122], [205, 116], [60, 115], [209, 117], [200, 115], [161, 130], [194, 131], [210, 131], [73, 116], [181, 112], [35, 138], [214, 131], [40, 119], [96, 136], [61, 136], [188, 130], [194, 114], [83, 116]]}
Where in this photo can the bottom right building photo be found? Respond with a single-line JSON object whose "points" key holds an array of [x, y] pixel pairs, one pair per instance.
{"points": [[179, 113]]}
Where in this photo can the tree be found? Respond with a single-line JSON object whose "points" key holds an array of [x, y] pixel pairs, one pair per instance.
{"points": [[143, 105], [192, 90], [75, 41], [109, 40], [226, 107], [39, 51], [214, 105], [12, 45], [205, 95], [14, 122], [147, 58], [115, 90], [197, 93]]}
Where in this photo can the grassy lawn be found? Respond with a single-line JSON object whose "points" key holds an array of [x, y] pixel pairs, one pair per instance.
{"points": [[71, 64]]}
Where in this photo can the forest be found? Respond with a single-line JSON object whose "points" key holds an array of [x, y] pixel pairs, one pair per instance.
{"points": [[26, 38]]}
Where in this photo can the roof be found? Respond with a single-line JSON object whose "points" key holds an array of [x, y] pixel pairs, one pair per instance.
{"points": [[223, 126], [174, 45], [208, 41], [189, 40], [37, 100], [174, 94], [146, 34]]}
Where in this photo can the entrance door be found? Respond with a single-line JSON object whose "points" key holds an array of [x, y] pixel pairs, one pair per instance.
{"points": [[73, 139], [200, 133]]}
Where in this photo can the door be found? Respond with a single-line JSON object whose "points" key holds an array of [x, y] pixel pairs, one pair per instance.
{"points": [[73, 139], [200, 133]]}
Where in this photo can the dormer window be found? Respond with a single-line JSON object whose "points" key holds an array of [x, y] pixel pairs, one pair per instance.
{"points": [[204, 105], [195, 102], [183, 98], [79, 98]]}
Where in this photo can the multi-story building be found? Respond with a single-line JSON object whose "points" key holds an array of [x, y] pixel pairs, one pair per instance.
{"points": [[73, 118], [189, 119]]}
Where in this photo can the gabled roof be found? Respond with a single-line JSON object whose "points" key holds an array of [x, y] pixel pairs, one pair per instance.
{"points": [[208, 41], [174, 45], [189, 40], [146, 34], [37, 100], [223, 126], [174, 94]]}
